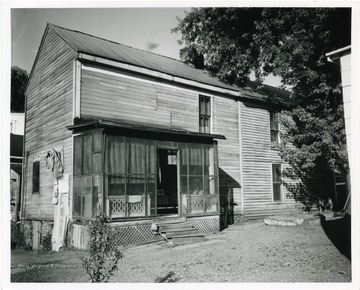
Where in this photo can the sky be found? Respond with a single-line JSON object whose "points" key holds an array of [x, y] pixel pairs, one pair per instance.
{"points": [[144, 28]]}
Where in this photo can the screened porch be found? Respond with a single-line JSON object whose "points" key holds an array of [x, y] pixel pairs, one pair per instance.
{"points": [[131, 177]]}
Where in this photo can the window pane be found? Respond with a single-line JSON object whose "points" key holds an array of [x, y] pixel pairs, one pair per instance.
{"points": [[274, 137], [87, 156], [202, 106], [183, 185], [210, 184], [78, 155], [151, 195], [183, 159], [276, 172], [273, 121], [115, 155], [87, 205], [195, 185], [195, 166], [36, 176], [207, 107], [116, 185], [77, 196], [206, 125], [136, 185], [136, 157], [209, 166], [151, 167], [277, 192], [97, 200]]}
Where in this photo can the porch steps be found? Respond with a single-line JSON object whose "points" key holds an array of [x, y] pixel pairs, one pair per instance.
{"points": [[179, 231]]}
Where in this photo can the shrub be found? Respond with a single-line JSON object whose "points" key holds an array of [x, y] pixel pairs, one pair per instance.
{"points": [[103, 255]]}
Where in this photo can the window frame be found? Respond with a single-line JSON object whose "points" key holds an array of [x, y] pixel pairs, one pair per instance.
{"points": [[36, 163], [205, 116], [276, 183], [274, 127]]}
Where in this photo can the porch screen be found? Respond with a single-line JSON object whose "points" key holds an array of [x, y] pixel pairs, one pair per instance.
{"points": [[198, 178], [87, 197], [130, 176]]}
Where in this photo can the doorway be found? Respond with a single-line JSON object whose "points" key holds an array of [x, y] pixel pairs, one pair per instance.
{"points": [[167, 197]]}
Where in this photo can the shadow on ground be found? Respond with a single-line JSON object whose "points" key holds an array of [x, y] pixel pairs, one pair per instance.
{"points": [[339, 232]]}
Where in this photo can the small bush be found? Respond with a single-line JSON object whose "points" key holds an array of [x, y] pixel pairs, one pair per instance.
{"points": [[103, 255], [18, 239]]}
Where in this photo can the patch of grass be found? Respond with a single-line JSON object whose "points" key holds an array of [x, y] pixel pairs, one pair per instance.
{"points": [[54, 275]]}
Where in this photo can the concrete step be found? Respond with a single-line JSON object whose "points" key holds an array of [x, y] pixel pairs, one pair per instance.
{"points": [[186, 239], [165, 221], [171, 234]]}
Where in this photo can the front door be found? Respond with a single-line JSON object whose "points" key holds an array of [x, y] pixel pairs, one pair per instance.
{"points": [[167, 197]]}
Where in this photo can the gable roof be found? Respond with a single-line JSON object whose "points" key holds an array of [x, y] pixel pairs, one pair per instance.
{"points": [[96, 46]]}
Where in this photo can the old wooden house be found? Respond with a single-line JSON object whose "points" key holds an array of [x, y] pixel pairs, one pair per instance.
{"points": [[144, 138]]}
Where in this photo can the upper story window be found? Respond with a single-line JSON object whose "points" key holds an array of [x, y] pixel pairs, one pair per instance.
{"points": [[204, 114], [274, 129]]}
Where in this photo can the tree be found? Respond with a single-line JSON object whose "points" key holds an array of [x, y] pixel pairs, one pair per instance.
{"points": [[19, 79], [290, 43]]}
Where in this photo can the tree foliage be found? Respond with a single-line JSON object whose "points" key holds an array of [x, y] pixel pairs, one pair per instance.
{"points": [[19, 79], [290, 43]]}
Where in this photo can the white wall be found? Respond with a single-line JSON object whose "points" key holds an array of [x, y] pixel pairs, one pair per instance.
{"points": [[17, 123]]}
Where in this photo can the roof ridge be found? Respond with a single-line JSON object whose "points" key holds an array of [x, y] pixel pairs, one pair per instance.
{"points": [[118, 43]]}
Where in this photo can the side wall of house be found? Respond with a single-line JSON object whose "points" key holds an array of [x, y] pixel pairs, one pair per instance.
{"points": [[226, 122], [49, 101], [257, 160], [110, 95]]}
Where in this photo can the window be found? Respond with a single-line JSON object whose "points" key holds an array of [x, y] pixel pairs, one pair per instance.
{"points": [[276, 181], [204, 114], [198, 178], [87, 174], [36, 177], [274, 129], [130, 176]]}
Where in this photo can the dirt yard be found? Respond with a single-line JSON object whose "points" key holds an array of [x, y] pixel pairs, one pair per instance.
{"points": [[245, 252]]}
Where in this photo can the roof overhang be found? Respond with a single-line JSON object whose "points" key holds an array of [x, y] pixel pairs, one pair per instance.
{"points": [[334, 56], [83, 125]]}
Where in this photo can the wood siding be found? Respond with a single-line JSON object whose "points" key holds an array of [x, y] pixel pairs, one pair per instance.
{"points": [[225, 121], [49, 101], [133, 100], [257, 160]]}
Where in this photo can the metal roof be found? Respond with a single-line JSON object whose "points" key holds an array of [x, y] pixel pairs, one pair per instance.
{"points": [[92, 45]]}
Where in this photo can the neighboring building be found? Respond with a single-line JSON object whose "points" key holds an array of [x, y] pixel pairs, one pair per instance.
{"points": [[342, 57], [17, 123], [142, 136], [16, 157]]}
